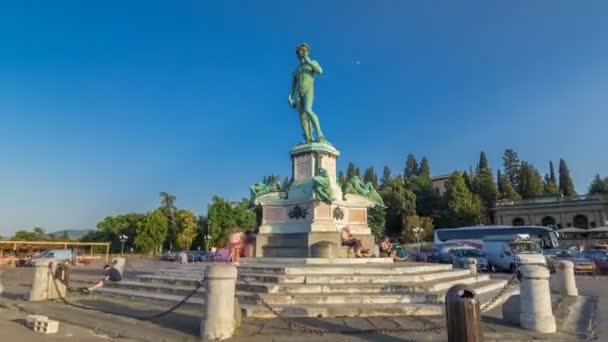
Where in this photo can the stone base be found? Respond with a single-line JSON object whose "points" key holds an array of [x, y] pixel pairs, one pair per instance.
{"points": [[297, 245], [315, 261]]}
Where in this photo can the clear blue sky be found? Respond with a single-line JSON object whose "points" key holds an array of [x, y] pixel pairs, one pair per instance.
{"points": [[105, 104]]}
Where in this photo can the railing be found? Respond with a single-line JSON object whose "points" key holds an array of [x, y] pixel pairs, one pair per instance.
{"points": [[550, 200]]}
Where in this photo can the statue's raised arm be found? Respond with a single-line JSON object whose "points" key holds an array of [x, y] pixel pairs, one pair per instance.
{"points": [[301, 96]]}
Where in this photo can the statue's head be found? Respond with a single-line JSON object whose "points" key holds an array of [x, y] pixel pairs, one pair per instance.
{"points": [[323, 172], [302, 50], [356, 179]]}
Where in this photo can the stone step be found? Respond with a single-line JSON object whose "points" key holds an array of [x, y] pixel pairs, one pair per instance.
{"points": [[189, 277], [350, 278], [432, 286], [286, 269], [157, 288], [337, 298], [278, 299], [344, 310], [148, 296]]}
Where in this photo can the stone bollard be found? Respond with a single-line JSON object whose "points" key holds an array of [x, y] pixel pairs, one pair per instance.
{"points": [[322, 249], [219, 322], [565, 278], [535, 299], [463, 315], [119, 264], [45, 286], [1, 286], [471, 265]]}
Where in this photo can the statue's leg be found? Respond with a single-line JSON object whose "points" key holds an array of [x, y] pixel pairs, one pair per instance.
{"points": [[305, 127], [308, 100]]}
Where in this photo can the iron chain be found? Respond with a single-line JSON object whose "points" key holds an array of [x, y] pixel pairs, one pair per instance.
{"points": [[510, 283]]}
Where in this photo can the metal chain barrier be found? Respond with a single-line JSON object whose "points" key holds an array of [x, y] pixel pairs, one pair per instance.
{"points": [[144, 318], [510, 284], [299, 327]]}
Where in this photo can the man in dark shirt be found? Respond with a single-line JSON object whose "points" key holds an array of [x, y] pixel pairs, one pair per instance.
{"points": [[110, 274]]}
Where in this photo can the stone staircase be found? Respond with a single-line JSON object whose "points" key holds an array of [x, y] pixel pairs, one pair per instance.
{"points": [[317, 290]]}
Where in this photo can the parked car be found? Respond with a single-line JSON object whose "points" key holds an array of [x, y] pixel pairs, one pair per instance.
{"points": [[198, 256], [507, 255], [599, 258], [461, 255], [59, 255], [169, 256], [600, 247], [581, 265], [422, 256], [441, 253]]}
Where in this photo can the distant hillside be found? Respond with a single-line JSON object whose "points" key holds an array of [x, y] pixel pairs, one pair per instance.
{"points": [[72, 233]]}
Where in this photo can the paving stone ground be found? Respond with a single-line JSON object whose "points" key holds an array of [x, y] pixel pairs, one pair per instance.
{"points": [[184, 323]]}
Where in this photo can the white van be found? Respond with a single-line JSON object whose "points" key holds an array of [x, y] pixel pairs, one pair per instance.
{"points": [[507, 255]]}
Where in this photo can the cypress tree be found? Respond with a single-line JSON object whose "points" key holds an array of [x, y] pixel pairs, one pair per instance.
{"points": [[499, 183], [411, 167], [341, 178], [351, 171], [511, 165], [484, 183], [598, 186], [531, 182], [386, 176], [425, 168], [507, 191], [566, 186], [370, 176]]}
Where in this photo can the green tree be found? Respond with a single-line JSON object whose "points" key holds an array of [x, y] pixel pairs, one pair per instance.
{"points": [[511, 165], [400, 202], [371, 176], [507, 190], [341, 178], [223, 216], [550, 182], [415, 221], [167, 207], [187, 226], [114, 226], [566, 185], [463, 207], [467, 177], [425, 168], [598, 186], [499, 183], [152, 232], [411, 167], [530, 181], [376, 219], [351, 171], [484, 185], [386, 176]]}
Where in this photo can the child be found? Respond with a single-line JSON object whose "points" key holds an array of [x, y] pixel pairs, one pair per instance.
{"points": [[235, 246]]}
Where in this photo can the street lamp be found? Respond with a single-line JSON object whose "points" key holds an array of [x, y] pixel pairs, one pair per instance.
{"points": [[417, 231], [123, 238]]}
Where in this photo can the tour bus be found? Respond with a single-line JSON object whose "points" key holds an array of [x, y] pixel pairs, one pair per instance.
{"points": [[474, 236]]}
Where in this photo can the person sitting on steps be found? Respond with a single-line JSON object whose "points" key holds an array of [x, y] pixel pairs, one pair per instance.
{"points": [[349, 240], [110, 274]]}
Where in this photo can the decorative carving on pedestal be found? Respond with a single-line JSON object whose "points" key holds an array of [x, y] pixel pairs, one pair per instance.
{"points": [[297, 213], [338, 213]]}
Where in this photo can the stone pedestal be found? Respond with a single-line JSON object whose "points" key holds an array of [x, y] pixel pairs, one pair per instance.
{"points": [[220, 320], [44, 286], [292, 221], [566, 279], [535, 299]]}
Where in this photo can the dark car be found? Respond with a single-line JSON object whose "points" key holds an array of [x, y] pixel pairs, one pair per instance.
{"points": [[582, 265], [599, 258], [460, 256]]}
